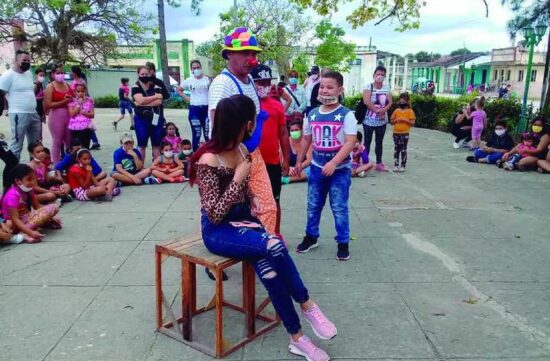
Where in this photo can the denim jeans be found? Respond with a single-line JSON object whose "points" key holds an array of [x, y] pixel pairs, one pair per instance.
{"points": [[252, 245], [492, 158], [198, 118], [337, 188]]}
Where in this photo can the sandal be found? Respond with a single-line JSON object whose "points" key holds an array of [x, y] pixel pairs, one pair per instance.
{"points": [[212, 277]]}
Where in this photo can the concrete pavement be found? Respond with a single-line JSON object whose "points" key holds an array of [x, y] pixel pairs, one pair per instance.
{"points": [[449, 262]]}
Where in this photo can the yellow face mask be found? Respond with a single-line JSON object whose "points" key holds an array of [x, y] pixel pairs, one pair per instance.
{"points": [[536, 128]]}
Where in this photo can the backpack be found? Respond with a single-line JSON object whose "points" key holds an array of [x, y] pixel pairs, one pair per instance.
{"points": [[361, 109]]}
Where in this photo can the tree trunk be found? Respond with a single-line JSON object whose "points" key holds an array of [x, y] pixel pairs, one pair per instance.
{"points": [[544, 97], [162, 44]]}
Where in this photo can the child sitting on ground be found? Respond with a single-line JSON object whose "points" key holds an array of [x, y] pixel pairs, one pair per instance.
{"points": [[402, 119], [128, 164], [167, 167], [70, 158], [360, 163], [172, 136], [295, 141], [47, 188], [83, 183], [20, 206], [7, 236], [186, 151], [512, 158]]}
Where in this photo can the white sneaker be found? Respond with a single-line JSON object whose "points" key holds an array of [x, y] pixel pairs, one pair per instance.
{"points": [[456, 145], [361, 174]]}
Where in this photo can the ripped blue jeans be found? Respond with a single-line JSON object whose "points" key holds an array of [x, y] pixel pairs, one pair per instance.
{"points": [[272, 263]]}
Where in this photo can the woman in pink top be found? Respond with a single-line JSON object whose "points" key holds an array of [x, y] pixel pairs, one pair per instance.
{"points": [[81, 110], [19, 204], [57, 96], [479, 118]]}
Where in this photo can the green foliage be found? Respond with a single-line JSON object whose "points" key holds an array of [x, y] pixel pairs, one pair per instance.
{"points": [[300, 64], [83, 31], [460, 51], [406, 13], [424, 56], [333, 52], [107, 101], [175, 103]]}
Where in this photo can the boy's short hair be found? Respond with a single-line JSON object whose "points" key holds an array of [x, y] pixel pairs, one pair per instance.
{"points": [[185, 142], [502, 123], [404, 95], [380, 68], [164, 143], [124, 80], [195, 61], [359, 137], [334, 75]]}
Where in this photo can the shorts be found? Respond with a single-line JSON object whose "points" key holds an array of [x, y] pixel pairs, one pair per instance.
{"points": [[145, 129], [275, 171], [476, 133], [126, 105], [80, 193], [168, 168]]}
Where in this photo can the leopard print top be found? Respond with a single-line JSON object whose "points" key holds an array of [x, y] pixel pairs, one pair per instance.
{"points": [[218, 191]]}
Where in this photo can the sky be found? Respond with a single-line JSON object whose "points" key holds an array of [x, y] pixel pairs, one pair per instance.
{"points": [[446, 25]]}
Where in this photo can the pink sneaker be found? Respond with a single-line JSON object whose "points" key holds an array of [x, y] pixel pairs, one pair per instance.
{"points": [[322, 327], [304, 347], [380, 167]]}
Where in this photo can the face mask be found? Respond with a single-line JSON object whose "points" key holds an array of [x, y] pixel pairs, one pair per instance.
{"points": [[187, 151], [500, 132], [24, 189], [145, 79], [25, 66], [40, 79], [295, 134], [293, 81], [263, 91], [197, 72], [402, 105], [536, 129], [328, 100], [168, 154], [60, 78], [379, 78]]}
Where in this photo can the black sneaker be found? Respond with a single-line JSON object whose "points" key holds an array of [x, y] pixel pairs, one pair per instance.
{"points": [[131, 127], [343, 252], [115, 124], [95, 146], [307, 244], [471, 159], [500, 163]]}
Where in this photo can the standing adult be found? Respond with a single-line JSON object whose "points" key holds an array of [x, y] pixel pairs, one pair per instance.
{"points": [[56, 98], [149, 117], [158, 82], [461, 126], [17, 84], [240, 49], [310, 82], [377, 98], [298, 105], [197, 85]]}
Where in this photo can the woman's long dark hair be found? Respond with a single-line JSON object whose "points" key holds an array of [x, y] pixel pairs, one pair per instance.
{"points": [[231, 116]]}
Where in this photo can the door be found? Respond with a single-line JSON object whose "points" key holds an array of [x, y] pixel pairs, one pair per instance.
{"points": [[484, 76]]}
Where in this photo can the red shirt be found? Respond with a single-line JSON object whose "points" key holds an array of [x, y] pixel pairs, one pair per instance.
{"points": [[71, 176], [269, 145]]}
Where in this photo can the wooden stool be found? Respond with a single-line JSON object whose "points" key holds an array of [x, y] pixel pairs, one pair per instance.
{"points": [[191, 251]]}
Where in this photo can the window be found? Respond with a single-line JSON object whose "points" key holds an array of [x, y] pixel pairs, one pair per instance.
{"points": [[502, 75], [495, 75], [520, 75], [508, 75], [533, 75]]}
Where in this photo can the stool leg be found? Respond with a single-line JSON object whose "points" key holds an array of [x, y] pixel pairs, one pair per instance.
{"points": [[249, 298], [158, 284], [219, 313], [187, 287]]}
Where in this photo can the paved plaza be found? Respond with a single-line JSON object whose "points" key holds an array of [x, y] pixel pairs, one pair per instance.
{"points": [[449, 262]]}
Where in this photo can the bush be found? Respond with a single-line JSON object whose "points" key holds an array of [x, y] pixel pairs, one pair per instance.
{"points": [[175, 103], [107, 101]]}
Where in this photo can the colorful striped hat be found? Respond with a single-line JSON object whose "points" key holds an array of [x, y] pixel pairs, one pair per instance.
{"points": [[240, 39]]}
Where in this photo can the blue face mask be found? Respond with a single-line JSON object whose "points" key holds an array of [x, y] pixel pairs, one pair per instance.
{"points": [[293, 81]]}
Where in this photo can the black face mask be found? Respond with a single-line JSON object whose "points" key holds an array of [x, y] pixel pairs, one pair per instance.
{"points": [[402, 106], [25, 66], [145, 79], [247, 135]]}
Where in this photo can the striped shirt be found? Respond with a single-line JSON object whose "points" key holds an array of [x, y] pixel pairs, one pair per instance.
{"points": [[223, 87]]}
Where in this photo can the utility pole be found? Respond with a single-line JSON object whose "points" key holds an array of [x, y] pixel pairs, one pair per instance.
{"points": [[162, 44], [235, 13]]}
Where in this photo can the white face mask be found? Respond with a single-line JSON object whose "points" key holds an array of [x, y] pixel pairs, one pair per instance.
{"points": [[328, 100], [379, 78], [24, 188], [168, 154], [263, 91], [187, 151], [500, 132], [197, 72]]}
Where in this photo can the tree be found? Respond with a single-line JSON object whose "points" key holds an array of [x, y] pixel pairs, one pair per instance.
{"points": [[281, 28], [424, 56], [461, 51], [333, 52], [300, 64], [83, 31], [529, 14]]}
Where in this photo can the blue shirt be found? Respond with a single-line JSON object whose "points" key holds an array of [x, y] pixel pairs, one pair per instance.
{"points": [[328, 132], [68, 160], [126, 160]]}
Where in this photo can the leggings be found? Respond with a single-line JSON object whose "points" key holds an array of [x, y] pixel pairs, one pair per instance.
{"points": [[58, 121], [379, 133], [400, 141]]}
